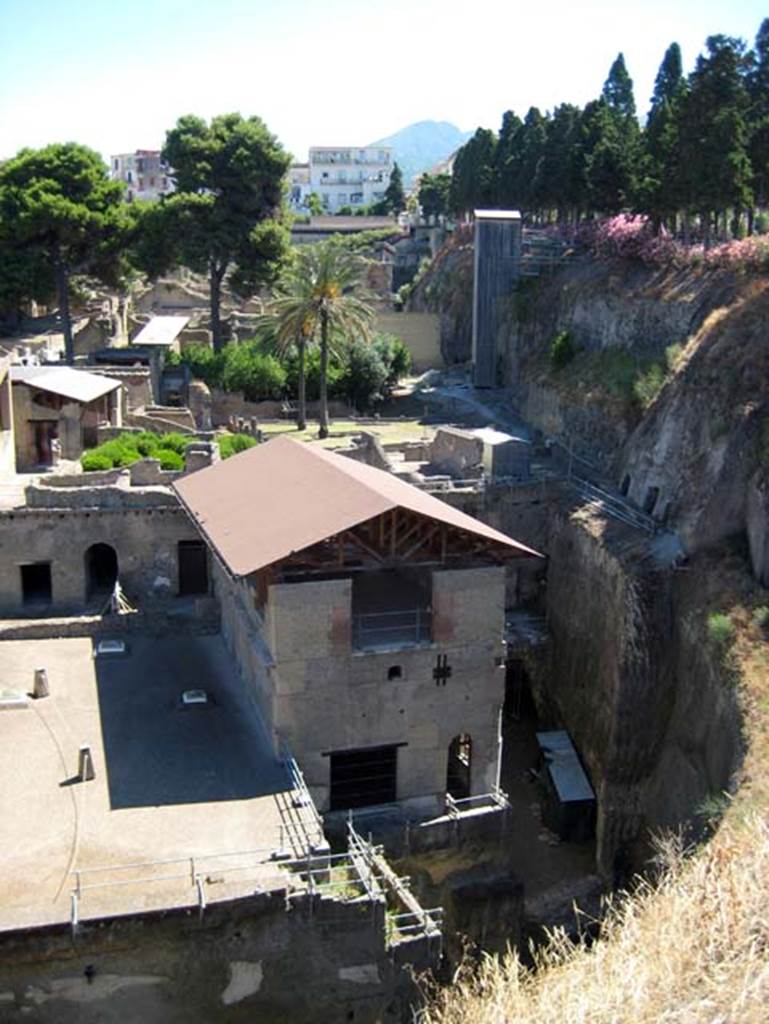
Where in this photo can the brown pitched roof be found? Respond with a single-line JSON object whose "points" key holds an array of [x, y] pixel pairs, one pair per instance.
{"points": [[259, 507]]}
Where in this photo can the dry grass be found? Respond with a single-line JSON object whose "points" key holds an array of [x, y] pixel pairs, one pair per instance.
{"points": [[693, 948], [341, 431]]}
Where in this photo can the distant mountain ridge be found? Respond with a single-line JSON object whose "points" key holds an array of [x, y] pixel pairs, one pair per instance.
{"points": [[421, 145]]}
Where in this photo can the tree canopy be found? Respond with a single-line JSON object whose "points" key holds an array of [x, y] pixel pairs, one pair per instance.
{"points": [[59, 215], [225, 218], [701, 158]]}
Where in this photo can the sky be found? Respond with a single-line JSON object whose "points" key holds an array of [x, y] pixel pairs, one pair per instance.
{"points": [[116, 76]]}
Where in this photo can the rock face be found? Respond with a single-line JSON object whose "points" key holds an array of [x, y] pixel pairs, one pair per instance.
{"points": [[692, 457], [636, 682], [758, 525], [687, 457]]}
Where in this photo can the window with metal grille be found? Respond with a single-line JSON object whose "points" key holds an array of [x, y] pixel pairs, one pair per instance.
{"points": [[360, 778]]}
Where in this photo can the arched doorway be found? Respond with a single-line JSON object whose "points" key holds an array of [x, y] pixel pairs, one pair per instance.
{"points": [[100, 569], [458, 771]]}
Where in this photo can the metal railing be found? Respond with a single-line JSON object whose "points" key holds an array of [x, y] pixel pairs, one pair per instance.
{"points": [[385, 629], [497, 798]]}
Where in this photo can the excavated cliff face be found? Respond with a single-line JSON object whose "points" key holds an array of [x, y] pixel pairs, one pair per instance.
{"points": [[705, 438], [693, 454], [636, 681]]}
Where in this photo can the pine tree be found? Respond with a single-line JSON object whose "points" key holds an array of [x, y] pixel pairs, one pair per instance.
{"points": [[474, 182], [508, 145], [714, 135], [394, 197], [612, 158], [660, 190], [758, 90], [559, 170]]}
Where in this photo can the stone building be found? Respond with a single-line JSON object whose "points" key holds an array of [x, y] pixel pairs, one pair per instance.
{"points": [[56, 406], [143, 174], [366, 618], [348, 176]]}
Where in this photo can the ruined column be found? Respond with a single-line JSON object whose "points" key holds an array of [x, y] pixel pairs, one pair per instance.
{"points": [[40, 684], [85, 770]]}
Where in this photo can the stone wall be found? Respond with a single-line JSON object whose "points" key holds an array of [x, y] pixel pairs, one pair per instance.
{"points": [[226, 404], [255, 960], [331, 697], [136, 381], [144, 539], [420, 331], [242, 633]]}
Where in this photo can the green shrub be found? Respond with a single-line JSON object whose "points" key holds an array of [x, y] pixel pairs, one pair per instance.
{"points": [[171, 442], [258, 375], [93, 461], [204, 363], [648, 384], [169, 459], [120, 450], [395, 356], [562, 350], [365, 375], [673, 355], [146, 443], [312, 374], [232, 444], [720, 631], [760, 617]]}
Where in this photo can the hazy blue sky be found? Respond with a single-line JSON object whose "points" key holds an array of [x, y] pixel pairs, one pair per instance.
{"points": [[326, 72]]}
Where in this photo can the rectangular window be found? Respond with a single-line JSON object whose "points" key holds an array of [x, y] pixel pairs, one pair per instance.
{"points": [[360, 778], [36, 584]]}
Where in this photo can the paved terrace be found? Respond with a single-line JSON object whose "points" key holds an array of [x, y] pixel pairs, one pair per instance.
{"points": [[171, 783]]}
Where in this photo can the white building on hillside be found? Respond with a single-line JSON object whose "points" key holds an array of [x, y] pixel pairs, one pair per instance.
{"points": [[143, 174], [349, 177]]}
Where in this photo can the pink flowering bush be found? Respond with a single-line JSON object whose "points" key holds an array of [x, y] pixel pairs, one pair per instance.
{"points": [[631, 237]]}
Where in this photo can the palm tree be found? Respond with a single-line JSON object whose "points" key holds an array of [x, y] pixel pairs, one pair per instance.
{"points": [[321, 296]]}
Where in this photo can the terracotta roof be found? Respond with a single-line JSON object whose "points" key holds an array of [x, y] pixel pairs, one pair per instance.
{"points": [[78, 385], [259, 507]]}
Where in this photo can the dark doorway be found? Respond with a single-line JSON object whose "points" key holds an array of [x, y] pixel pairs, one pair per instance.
{"points": [[45, 432], [193, 567], [651, 499], [518, 700], [360, 778], [458, 772], [100, 569], [36, 583]]}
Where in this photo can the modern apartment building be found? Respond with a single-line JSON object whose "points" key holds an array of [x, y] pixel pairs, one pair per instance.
{"points": [[349, 177], [143, 173]]}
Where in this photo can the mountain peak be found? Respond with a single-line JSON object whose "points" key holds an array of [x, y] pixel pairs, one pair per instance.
{"points": [[419, 146]]}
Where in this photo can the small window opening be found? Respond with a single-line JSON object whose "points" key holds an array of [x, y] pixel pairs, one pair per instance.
{"points": [[394, 672], [651, 499], [36, 583]]}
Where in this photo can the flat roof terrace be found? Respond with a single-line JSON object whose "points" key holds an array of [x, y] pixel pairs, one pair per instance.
{"points": [[178, 792]]}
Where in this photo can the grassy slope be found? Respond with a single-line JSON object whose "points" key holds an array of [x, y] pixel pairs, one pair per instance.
{"points": [[695, 946]]}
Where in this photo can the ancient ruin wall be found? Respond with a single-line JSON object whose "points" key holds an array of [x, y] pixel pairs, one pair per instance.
{"points": [[637, 684], [257, 960]]}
